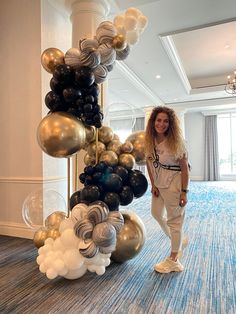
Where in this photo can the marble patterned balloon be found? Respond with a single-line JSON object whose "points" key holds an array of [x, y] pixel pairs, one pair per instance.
{"points": [[90, 58], [79, 212], [88, 249], [123, 54], [110, 67], [88, 43], [100, 74], [84, 229], [72, 57], [116, 219], [98, 212], [107, 249], [105, 32], [104, 234], [108, 54]]}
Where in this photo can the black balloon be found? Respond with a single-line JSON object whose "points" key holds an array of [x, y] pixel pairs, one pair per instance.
{"points": [[101, 166], [112, 200], [82, 177], [92, 90], [122, 172], [97, 176], [90, 193], [64, 74], [112, 182], [56, 86], [89, 170], [138, 183], [84, 76], [126, 195], [53, 101], [75, 199], [71, 94]]}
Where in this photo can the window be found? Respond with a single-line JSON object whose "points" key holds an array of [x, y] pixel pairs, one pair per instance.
{"points": [[226, 124]]}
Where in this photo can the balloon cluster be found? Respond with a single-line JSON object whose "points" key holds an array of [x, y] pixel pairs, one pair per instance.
{"points": [[109, 148], [86, 241], [113, 185], [77, 73]]}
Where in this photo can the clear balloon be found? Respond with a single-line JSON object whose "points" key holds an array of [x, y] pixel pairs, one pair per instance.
{"points": [[39, 204]]}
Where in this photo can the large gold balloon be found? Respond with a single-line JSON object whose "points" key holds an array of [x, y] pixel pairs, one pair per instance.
{"points": [[109, 157], [94, 147], [118, 42], [60, 134], [137, 139], [127, 161], [40, 236], [54, 220], [115, 146], [105, 134], [50, 58], [53, 233], [130, 239], [89, 160]]}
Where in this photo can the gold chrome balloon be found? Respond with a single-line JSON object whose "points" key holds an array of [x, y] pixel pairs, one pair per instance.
{"points": [[54, 220], [93, 147], [90, 133], [105, 134], [89, 160], [39, 237], [60, 134], [127, 147], [53, 233], [127, 161], [119, 42], [137, 140], [130, 239], [109, 157], [50, 58], [115, 146]]}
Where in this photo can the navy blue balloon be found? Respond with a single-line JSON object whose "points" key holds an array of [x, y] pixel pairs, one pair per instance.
{"points": [[138, 183], [90, 193], [112, 200], [126, 195], [112, 183]]}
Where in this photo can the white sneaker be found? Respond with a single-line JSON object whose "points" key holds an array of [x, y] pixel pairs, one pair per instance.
{"points": [[168, 265]]}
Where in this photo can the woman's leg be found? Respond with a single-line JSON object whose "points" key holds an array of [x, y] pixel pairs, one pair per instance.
{"points": [[159, 213]]}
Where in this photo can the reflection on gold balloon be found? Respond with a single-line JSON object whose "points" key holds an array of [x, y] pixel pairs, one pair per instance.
{"points": [[115, 146], [137, 139], [40, 236], [130, 239], [93, 147], [50, 58], [119, 42], [109, 157], [105, 134], [127, 161], [53, 233], [116, 137], [90, 133], [54, 220], [127, 147], [60, 134], [89, 160]]}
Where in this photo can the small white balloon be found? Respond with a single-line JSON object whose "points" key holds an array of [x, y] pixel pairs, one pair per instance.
{"points": [[100, 270], [58, 265], [51, 273], [73, 259], [68, 238], [119, 20], [133, 12], [40, 259], [66, 224], [76, 273], [132, 37], [121, 30], [42, 268], [130, 23], [142, 21]]}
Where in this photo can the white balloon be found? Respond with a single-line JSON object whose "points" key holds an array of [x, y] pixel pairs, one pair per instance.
{"points": [[58, 246], [133, 12], [63, 272], [42, 268], [73, 259], [51, 273], [66, 224], [76, 273], [58, 265], [107, 262], [48, 261], [130, 23], [68, 238], [100, 270], [121, 30], [132, 37], [40, 259], [142, 21], [119, 20], [49, 242], [92, 268]]}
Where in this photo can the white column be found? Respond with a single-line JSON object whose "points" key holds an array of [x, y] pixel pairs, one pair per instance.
{"points": [[180, 113]]}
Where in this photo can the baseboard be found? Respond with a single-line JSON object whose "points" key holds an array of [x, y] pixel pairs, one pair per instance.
{"points": [[196, 178], [16, 230]]}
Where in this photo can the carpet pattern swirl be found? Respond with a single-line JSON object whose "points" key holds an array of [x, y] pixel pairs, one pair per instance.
{"points": [[207, 285]]}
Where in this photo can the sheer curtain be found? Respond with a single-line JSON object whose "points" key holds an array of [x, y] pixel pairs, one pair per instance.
{"points": [[211, 172]]}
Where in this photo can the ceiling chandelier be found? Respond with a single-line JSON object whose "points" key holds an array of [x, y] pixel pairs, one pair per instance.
{"points": [[230, 87]]}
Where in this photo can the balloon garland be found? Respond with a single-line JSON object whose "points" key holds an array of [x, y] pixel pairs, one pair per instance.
{"points": [[69, 246]]}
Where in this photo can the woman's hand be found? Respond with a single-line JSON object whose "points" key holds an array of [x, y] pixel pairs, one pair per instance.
{"points": [[155, 191], [183, 199]]}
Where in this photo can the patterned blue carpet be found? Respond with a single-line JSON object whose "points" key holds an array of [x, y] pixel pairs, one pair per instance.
{"points": [[207, 285]]}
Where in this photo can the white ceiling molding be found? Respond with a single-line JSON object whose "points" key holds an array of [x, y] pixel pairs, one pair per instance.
{"points": [[172, 53], [137, 82]]}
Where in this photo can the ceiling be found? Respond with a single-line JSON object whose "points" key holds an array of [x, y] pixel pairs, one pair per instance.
{"points": [[190, 44]]}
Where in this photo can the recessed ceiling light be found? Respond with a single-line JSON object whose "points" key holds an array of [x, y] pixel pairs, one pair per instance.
{"points": [[158, 76]]}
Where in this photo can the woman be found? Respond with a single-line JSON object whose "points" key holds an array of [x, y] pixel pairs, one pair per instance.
{"points": [[168, 170]]}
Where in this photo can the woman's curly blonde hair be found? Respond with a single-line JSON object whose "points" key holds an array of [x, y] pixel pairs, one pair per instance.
{"points": [[173, 135]]}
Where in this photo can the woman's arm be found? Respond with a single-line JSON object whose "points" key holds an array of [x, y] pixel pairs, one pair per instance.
{"points": [[184, 181], [154, 189]]}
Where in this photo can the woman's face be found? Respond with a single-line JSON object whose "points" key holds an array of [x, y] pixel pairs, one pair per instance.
{"points": [[161, 123]]}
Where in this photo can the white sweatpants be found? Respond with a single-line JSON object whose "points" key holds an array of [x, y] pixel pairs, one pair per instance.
{"points": [[170, 216]]}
